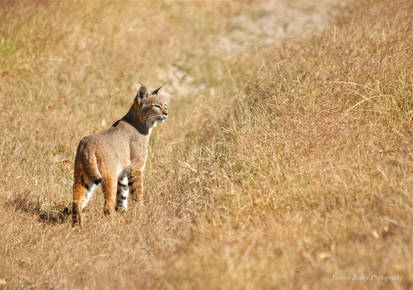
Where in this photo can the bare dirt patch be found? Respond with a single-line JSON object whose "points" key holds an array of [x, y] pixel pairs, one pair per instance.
{"points": [[266, 23]]}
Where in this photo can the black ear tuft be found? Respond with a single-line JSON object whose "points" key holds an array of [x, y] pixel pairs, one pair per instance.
{"points": [[142, 93], [155, 92]]}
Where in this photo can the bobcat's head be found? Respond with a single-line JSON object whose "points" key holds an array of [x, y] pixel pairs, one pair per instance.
{"points": [[150, 108]]}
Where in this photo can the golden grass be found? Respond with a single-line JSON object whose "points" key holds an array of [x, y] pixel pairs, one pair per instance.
{"points": [[292, 169]]}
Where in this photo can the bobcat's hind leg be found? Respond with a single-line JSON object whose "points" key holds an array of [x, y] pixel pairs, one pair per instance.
{"points": [[82, 193], [109, 187], [91, 189], [122, 193], [79, 194]]}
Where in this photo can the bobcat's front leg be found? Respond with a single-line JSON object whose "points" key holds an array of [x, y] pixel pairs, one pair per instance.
{"points": [[136, 185]]}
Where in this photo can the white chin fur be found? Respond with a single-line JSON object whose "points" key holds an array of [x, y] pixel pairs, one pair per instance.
{"points": [[150, 124]]}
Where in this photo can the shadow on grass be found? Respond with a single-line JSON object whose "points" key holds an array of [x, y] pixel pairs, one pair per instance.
{"points": [[55, 214]]}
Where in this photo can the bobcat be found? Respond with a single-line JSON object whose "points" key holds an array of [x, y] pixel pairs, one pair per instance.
{"points": [[116, 157]]}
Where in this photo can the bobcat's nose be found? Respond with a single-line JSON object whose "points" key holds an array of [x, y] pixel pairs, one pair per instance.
{"points": [[163, 117]]}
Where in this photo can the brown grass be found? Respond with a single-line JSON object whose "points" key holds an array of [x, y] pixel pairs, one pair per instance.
{"points": [[292, 168]]}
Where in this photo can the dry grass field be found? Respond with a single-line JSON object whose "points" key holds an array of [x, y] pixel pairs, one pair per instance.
{"points": [[286, 162]]}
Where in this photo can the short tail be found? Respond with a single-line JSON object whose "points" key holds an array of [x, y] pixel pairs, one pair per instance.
{"points": [[89, 161], [92, 169]]}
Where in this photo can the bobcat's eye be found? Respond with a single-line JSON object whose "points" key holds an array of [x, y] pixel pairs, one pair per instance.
{"points": [[157, 106]]}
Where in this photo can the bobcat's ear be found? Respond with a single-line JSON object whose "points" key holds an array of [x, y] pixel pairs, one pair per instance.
{"points": [[142, 94], [155, 92]]}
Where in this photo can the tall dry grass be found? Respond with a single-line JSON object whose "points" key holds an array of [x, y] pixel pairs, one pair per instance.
{"points": [[292, 169]]}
